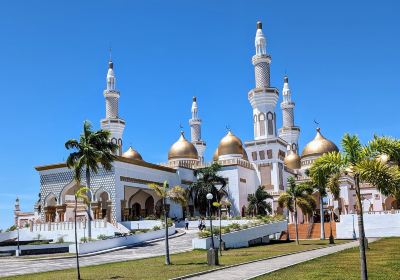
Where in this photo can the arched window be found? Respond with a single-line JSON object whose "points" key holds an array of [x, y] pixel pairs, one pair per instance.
{"points": [[270, 118], [261, 118], [255, 126]]}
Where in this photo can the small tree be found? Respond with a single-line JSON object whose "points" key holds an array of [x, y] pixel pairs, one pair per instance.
{"points": [[81, 193], [297, 196], [175, 194], [257, 204]]}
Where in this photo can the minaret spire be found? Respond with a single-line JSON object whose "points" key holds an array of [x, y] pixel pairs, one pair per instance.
{"points": [[195, 131], [112, 122], [263, 98], [289, 132]]}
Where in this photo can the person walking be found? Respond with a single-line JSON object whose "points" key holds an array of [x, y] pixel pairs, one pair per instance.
{"points": [[186, 223]]}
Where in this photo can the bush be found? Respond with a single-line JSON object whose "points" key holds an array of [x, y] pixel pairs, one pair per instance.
{"points": [[234, 226], [11, 228], [60, 239], [204, 234], [245, 227], [226, 230], [137, 231], [26, 225], [150, 217], [236, 218], [156, 228], [85, 239], [102, 236]]}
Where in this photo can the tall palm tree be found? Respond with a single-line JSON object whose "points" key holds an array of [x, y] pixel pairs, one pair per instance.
{"points": [[175, 194], [359, 162], [79, 194], [297, 196], [256, 202], [207, 179], [92, 148], [323, 183]]}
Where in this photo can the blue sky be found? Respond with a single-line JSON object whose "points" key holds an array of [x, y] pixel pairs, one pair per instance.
{"points": [[342, 59]]}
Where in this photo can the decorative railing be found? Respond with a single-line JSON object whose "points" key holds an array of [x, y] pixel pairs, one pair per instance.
{"points": [[67, 225]]}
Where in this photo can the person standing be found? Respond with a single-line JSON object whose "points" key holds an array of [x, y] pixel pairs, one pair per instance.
{"points": [[186, 223]]}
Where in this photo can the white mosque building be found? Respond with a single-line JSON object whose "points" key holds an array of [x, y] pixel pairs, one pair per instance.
{"points": [[268, 159]]}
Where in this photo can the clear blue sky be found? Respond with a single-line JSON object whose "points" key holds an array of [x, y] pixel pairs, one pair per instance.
{"points": [[342, 58]]}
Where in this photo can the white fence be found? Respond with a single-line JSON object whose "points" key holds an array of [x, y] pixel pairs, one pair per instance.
{"points": [[242, 237], [67, 225], [224, 223], [376, 224], [100, 245]]}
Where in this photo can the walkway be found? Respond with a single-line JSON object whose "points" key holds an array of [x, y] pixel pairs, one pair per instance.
{"points": [[251, 270], [16, 266]]}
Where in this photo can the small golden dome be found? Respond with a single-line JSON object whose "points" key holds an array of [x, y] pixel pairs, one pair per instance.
{"points": [[292, 160], [230, 145], [215, 155], [318, 146], [132, 154], [182, 149]]}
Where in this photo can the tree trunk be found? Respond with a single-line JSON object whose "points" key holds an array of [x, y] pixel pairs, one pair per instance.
{"points": [[321, 213], [363, 258], [89, 207], [76, 243], [167, 260], [295, 223]]}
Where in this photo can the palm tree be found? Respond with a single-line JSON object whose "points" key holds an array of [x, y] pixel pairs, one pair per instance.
{"points": [[175, 194], [297, 196], [92, 148], [323, 183], [81, 193], [361, 163], [207, 179], [256, 202]]}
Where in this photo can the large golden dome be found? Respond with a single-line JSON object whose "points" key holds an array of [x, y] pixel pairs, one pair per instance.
{"points": [[132, 154], [292, 160], [182, 149], [230, 145], [318, 146]]}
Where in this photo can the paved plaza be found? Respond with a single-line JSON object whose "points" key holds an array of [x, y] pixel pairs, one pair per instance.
{"points": [[16, 266]]}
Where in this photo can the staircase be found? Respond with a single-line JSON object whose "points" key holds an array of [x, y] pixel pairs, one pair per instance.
{"points": [[309, 231]]}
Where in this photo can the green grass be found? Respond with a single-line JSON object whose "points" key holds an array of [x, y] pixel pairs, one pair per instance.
{"points": [[182, 263], [383, 262]]}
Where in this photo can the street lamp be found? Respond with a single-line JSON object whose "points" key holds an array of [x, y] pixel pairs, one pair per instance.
{"points": [[212, 256], [331, 239], [18, 250], [354, 230]]}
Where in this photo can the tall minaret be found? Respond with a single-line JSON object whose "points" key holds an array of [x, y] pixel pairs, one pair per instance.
{"points": [[112, 121], [195, 131], [289, 132], [263, 98]]}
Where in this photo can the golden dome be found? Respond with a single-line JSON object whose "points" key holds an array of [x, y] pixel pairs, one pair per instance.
{"points": [[318, 146], [215, 155], [182, 149], [245, 155], [132, 154], [292, 160], [230, 145]]}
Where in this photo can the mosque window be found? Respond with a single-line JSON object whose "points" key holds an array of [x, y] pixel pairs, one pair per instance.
{"points": [[254, 155], [262, 155], [269, 154], [262, 124], [255, 125], [270, 118]]}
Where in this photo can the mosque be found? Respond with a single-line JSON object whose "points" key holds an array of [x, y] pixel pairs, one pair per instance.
{"points": [[268, 159]]}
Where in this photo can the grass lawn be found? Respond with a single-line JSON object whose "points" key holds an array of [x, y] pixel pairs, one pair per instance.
{"points": [[383, 262], [182, 263]]}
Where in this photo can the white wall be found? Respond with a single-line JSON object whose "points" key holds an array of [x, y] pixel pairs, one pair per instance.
{"points": [[380, 224], [242, 237], [100, 245], [145, 224]]}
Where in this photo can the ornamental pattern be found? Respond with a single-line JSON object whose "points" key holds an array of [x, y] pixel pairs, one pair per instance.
{"points": [[262, 75]]}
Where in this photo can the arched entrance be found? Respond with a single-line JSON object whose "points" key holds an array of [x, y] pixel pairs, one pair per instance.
{"points": [[159, 207], [391, 203], [136, 209], [67, 200], [50, 208], [149, 206]]}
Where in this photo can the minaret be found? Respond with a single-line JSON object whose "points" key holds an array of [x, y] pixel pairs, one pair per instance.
{"points": [[289, 132], [195, 131], [112, 122], [263, 98]]}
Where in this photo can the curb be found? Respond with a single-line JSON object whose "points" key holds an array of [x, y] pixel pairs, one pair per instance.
{"points": [[175, 235], [248, 262]]}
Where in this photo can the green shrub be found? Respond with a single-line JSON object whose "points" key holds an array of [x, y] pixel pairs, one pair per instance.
{"points": [[204, 234], [244, 226], [26, 225], [156, 228], [234, 226], [60, 239], [236, 218], [226, 230], [102, 236], [150, 217], [85, 239], [11, 228], [137, 231]]}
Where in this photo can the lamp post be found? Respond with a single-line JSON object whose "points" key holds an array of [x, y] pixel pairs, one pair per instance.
{"points": [[331, 239], [18, 250], [212, 255]]}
